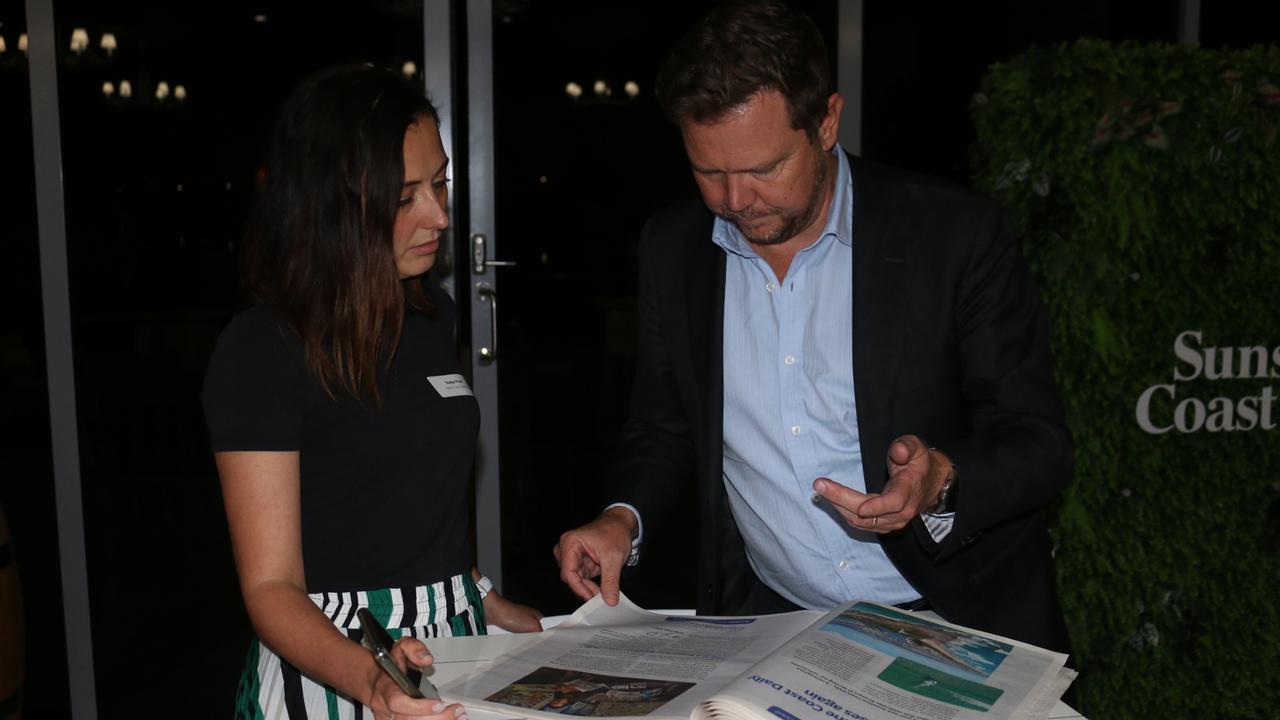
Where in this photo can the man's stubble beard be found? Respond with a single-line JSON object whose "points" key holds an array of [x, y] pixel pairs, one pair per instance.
{"points": [[792, 223]]}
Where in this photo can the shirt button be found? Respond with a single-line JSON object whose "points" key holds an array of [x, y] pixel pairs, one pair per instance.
{"points": [[790, 359], [844, 564], [770, 287], [816, 499], [795, 430]]}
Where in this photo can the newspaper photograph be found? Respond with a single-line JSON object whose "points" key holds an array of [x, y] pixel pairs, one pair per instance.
{"points": [[627, 662]]}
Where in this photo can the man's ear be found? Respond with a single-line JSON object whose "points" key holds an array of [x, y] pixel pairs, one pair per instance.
{"points": [[829, 128]]}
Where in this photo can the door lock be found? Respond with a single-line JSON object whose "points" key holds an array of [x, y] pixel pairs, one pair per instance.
{"points": [[480, 262]]}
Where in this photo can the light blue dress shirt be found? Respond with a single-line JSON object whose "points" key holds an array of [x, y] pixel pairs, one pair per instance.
{"points": [[790, 415]]}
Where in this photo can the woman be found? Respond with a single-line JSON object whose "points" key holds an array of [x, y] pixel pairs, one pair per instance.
{"points": [[341, 425]]}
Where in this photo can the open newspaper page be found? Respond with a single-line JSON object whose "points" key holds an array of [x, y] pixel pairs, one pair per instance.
{"points": [[873, 662], [626, 662]]}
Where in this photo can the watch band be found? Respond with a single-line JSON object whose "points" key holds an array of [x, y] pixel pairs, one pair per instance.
{"points": [[484, 585], [946, 503], [633, 559]]}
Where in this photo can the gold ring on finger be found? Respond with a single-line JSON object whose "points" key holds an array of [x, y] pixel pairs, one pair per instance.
{"points": [[874, 522]]}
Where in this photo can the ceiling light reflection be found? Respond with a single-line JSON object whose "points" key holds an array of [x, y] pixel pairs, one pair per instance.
{"points": [[79, 40]]}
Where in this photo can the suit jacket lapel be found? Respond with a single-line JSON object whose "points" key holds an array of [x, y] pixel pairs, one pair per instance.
{"points": [[704, 304], [879, 268]]}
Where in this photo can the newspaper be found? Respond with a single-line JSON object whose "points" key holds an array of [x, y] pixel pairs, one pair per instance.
{"points": [[862, 661]]}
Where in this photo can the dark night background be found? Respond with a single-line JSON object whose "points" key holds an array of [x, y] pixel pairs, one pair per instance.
{"points": [[156, 193]]}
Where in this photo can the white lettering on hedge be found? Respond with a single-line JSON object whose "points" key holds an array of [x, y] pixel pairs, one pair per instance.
{"points": [[1144, 409], [1187, 355], [1223, 363], [1160, 410]]}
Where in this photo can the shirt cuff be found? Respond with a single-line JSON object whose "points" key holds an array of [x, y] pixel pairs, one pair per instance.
{"points": [[634, 557], [939, 526]]}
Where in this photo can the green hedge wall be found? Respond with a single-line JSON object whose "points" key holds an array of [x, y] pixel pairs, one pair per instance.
{"points": [[1145, 182]]}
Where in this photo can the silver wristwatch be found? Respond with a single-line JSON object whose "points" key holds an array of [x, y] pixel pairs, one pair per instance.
{"points": [[947, 495]]}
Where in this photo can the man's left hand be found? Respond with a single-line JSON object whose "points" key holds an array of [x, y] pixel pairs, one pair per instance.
{"points": [[916, 474]]}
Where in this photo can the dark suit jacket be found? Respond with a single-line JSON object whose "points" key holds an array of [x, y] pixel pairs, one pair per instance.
{"points": [[951, 343]]}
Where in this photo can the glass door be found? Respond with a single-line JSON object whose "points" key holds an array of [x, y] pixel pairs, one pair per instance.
{"points": [[32, 632], [573, 156]]}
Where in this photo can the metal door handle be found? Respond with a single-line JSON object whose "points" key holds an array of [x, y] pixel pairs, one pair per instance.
{"points": [[489, 353], [480, 255]]}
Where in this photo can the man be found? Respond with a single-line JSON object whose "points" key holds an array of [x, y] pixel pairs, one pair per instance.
{"points": [[852, 361]]}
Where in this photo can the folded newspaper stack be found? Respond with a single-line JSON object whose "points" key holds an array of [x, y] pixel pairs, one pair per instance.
{"points": [[862, 661]]}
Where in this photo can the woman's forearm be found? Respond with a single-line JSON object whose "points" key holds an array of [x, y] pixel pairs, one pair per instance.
{"points": [[289, 623]]}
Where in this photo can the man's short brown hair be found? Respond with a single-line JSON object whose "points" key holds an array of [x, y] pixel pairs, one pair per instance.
{"points": [[740, 49]]}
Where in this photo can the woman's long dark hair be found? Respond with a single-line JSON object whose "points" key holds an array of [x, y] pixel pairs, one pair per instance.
{"points": [[319, 242]]}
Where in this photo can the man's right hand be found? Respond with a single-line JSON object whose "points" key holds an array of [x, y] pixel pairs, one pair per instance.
{"points": [[597, 549]]}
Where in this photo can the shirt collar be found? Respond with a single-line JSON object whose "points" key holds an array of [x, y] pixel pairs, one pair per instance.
{"points": [[839, 220]]}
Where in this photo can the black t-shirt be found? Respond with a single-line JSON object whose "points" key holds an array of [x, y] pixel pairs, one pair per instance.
{"points": [[384, 491]]}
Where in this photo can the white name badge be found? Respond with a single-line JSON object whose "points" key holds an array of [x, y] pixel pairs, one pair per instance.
{"points": [[450, 385]]}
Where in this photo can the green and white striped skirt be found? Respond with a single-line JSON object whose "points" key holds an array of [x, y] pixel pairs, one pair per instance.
{"points": [[271, 688]]}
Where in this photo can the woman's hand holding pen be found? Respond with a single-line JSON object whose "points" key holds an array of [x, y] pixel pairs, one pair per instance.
{"points": [[389, 702]]}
